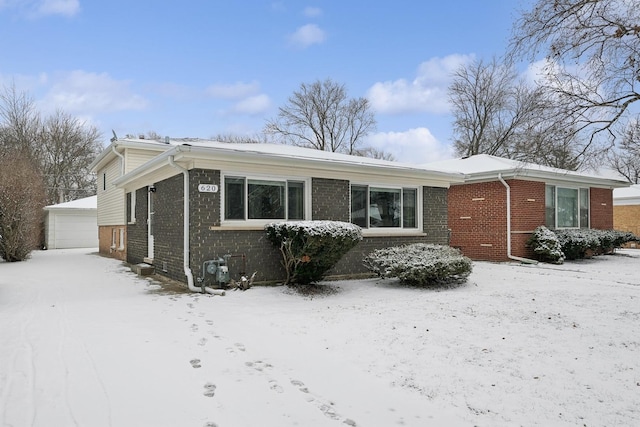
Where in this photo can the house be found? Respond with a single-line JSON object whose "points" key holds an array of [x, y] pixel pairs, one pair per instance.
{"points": [[194, 203], [72, 224], [120, 157], [626, 210], [494, 211]]}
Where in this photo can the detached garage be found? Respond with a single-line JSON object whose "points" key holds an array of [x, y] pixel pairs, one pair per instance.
{"points": [[72, 224]]}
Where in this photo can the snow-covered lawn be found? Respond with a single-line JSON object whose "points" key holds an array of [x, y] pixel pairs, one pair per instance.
{"points": [[84, 342]]}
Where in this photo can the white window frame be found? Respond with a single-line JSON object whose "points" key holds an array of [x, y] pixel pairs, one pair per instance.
{"points": [[132, 207], [580, 190], [259, 177], [368, 230], [121, 246], [114, 234]]}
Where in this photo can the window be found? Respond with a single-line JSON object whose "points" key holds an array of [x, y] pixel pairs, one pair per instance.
{"points": [[566, 207], [114, 234], [131, 207], [384, 207], [263, 199], [121, 246]]}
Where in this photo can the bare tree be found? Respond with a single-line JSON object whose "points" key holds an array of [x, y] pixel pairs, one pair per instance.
{"points": [[321, 116], [490, 108], [592, 49], [69, 146], [240, 139], [20, 123], [626, 159]]}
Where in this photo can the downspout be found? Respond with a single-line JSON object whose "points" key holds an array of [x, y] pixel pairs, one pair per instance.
{"points": [[517, 258], [185, 233], [113, 148]]}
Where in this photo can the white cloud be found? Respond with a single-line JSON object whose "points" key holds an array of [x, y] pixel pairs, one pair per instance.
{"points": [[39, 8], [233, 91], [306, 36], [427, 92], [416, 145], [253, 105], [58, 7], [312, 12], [83, 92]]}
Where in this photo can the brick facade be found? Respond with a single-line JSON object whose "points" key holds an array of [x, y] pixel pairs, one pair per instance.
{"points": [[627, 218], [601, 208], [477, 216], [250, 250], [106, 244]]}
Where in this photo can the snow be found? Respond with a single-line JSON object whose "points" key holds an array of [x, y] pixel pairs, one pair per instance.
{"points": [[627, 196], [85, 342], [90, 202]]}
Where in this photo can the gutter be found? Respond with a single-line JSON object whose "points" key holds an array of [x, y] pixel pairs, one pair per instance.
{"points": [[517, 258], [185, 233]]}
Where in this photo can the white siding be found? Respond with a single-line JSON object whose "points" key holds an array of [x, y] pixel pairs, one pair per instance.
{"points": [[111, 200], [135, 158]]}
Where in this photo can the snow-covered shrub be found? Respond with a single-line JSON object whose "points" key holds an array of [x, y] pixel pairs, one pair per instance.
{"points": [[420, 264], [310, 248], [578, 243], [545, 244]]}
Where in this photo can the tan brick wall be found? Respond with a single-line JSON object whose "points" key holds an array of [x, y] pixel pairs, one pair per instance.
{"points": [[627, 218], [105, 240]]}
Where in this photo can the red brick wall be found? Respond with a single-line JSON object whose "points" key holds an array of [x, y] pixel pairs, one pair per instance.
{"points": [[477, 218], [105, 237], [601, 208]]}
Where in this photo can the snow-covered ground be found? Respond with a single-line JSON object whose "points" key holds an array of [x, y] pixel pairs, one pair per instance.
{"points": [[84, 342]]}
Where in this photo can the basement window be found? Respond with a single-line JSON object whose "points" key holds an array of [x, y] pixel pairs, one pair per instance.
{"points": [[260, 199]]}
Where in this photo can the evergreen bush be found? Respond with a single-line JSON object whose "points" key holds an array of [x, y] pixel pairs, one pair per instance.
{"points": [[545, 244], [420, 264], [310, 248]]}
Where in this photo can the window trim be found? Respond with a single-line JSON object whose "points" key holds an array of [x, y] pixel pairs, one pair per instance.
{"points": [[261, 177], [368, 230], [580, 190], [131, 215]]}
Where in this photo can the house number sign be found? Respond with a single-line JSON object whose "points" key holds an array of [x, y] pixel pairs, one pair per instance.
{"points": [[207, 188]]}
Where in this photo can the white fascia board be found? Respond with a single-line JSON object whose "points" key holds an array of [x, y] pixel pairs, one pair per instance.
{"points": [[548, 177]]}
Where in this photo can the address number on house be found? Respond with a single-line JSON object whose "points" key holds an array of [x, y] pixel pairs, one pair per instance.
{"points": [[207, 188]]}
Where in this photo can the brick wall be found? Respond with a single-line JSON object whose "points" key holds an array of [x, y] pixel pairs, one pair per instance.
{"points": [[105, 240], [250, 249], [477, 218], [435, 220], [137, 233], [627, 218], [330, 199], [601, 208]]}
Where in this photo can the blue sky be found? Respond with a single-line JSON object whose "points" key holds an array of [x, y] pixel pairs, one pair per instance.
{"points": [[199, 68]]}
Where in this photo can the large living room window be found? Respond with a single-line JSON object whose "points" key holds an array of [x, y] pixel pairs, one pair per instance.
{"points": [[263, 199], [566, 207], [384, 207]]}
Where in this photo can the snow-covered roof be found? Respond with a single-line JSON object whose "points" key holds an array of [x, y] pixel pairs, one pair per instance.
{"points": [[260, 154], [90, 202], [627, 196], [484, 167]]}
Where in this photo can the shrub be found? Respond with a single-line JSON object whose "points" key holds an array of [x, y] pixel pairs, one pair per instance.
{"points": [[546, 245], [310, 248], [420, 264], [581, 243], [21, 202]]}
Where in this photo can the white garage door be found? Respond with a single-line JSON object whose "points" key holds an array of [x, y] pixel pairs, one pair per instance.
{"points": [[75, 231]]}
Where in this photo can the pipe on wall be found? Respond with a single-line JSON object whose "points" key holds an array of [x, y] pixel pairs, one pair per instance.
{"points": [[509, 255], [185, 233]]}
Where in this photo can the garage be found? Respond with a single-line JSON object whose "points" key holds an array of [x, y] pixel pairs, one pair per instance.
{"points": [[72, 224]]}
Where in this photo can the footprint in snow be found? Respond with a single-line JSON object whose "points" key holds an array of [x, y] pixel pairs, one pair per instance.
{"points": [[209, 389], [195, 363], [202, 341]]}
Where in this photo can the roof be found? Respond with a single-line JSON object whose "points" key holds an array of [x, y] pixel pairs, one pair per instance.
{"points": [[260, 154], [120, 145], [627, 196], [79, 204], [484, 167]]}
